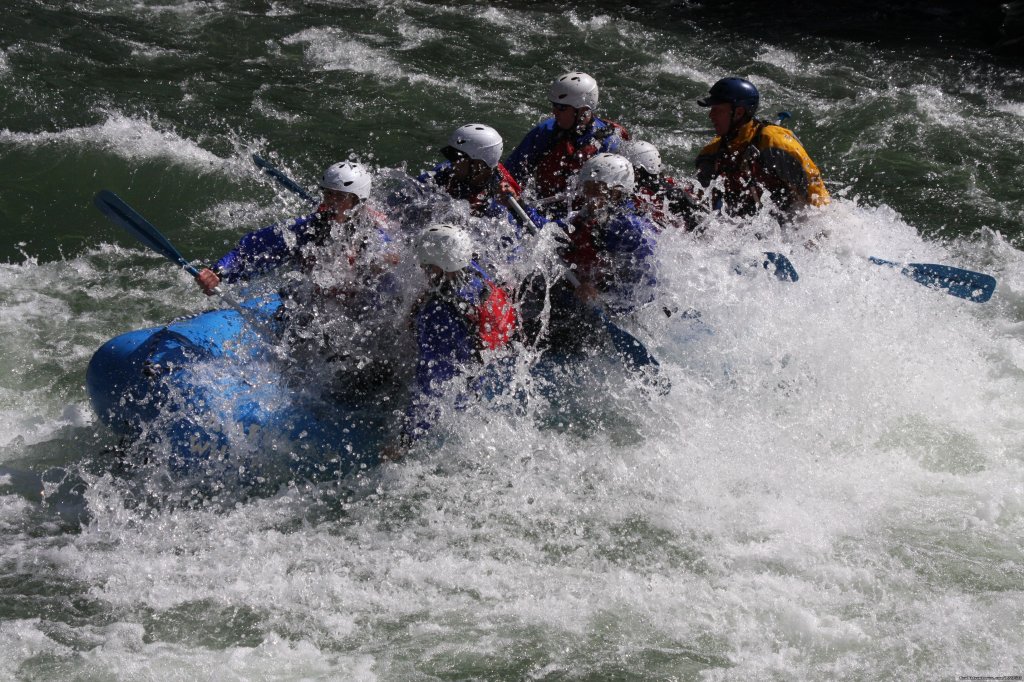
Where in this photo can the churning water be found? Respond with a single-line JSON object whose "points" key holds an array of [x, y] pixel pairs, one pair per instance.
{"points": [[832, 489]]}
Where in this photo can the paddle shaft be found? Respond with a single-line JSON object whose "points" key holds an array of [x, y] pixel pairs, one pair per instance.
{"points": [[132, 222], [283, 179]]}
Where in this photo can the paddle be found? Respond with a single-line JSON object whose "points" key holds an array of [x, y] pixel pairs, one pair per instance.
{"points": [[283, 179], [634, 354], [784, 270], [966, 284], [132, 222]]}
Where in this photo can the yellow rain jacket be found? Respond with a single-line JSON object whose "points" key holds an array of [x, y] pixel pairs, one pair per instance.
{"points": [[762, 156]]}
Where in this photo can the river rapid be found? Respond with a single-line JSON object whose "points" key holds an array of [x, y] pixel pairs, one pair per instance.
{"points": [[832, 489]]}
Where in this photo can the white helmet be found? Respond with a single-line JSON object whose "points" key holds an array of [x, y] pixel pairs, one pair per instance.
{"points": [[477, 141], [642, 155], [613, 170], [576, 89], [346, 176], [445, 246]]}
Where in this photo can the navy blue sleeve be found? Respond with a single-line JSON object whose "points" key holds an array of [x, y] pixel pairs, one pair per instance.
{"points": [[524, 158], [445, 345], [629, 243], [257, 252], [263, 250], [496, 209], [437, 175], [611, 143], [535, 217]]}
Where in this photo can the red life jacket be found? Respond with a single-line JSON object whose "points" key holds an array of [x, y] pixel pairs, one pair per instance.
{"points": [[505, 176], [496, 318], [583, 254], [650, 204], [566, 157], [664, 202]]}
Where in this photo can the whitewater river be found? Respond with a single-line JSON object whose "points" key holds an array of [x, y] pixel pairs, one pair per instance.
{"points": [[833, 488]]}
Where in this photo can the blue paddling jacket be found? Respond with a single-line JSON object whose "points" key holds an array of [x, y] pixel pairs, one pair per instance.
{"points": [[452, 326], [269, 248], [266, 249]]}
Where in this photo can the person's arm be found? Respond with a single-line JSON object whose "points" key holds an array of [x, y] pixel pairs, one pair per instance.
{"points": [[705, 163], [445, 346], [683, 202], [256, 252], [611, 135], [628, 280], [523, 160], [786, 160], [265, 249], [437, 175]]}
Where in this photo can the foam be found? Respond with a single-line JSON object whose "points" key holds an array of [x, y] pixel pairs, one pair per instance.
{"points": [[830, 491], [130, 138], [788, 61], [591, 23], [331, 50], [41, 302], [188, 9], [1015, 108]]}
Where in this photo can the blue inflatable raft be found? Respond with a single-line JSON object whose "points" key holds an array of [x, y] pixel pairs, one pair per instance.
{"points": [[208, 395]]}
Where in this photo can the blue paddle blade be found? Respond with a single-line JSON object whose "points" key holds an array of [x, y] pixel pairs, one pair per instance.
{"points": [[120, 213], [283, 179], [965, 284], [634, 354], [973, 286], [784, 270]]}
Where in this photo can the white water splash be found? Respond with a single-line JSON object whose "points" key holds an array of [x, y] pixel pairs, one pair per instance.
{"points": [[126, 137], [332, 50], [832, 490], [838, 463]]}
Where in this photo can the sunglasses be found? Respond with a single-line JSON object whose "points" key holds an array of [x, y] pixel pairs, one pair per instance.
{"points": [[561, 107], [453, 154]]}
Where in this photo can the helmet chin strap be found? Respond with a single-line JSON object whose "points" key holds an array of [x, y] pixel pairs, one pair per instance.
{"points": [[735, 125], [732, 121]]}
